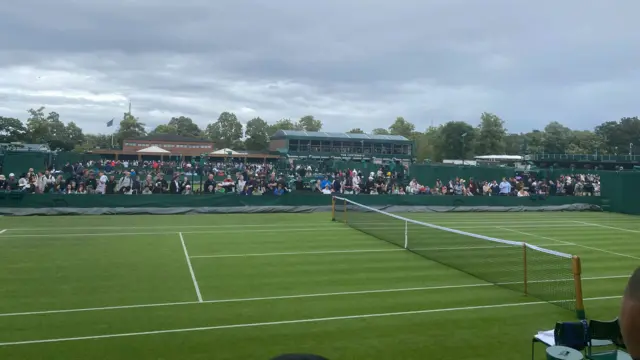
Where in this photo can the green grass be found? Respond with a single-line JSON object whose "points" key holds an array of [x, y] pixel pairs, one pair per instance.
{"points": [[254, 306]]}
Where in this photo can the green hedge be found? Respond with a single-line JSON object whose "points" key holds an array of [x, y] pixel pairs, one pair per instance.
{"points": [[21, 200]]}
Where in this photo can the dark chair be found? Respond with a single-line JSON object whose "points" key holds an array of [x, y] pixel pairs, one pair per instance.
{"points": [[569, 334], [572, 334], [604, 334]]}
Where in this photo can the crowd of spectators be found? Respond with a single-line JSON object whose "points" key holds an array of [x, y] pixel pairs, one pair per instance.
{"points": [[351, 182], [172, 177]]}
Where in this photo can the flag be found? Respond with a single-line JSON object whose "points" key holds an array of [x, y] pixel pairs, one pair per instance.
{"points": [[110, 123]]}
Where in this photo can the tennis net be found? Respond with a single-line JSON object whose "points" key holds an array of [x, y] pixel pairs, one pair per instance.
{"points": [[545, 274]]}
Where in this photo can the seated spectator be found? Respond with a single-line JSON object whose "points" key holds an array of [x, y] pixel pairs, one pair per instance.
{"points": [[81, 189], [279, 190], [210, 185], [125, 184], [522, 193]]}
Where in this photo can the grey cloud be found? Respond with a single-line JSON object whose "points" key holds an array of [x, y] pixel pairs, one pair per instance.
{"points": [[351, 63]]}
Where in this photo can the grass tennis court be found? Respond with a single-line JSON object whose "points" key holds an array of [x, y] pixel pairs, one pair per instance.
{"points": [[255, 286]]}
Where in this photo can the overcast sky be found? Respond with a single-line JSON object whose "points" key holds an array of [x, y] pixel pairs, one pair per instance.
{"points": [[350, 63]]}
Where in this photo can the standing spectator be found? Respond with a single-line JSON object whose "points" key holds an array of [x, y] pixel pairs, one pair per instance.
{"points": [[161, 185], [101, 186], [184, 184], [174, 187], [505, 187], [111, 185]]}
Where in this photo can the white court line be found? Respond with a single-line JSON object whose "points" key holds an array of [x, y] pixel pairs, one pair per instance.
{"points": [[573, 244], [606, 227], [184, 232], [238, 229], [296, 253], [299, 321], [484, 224], [283, 297], [2, 231], [168, 227], [193, 275], [358, 251]]}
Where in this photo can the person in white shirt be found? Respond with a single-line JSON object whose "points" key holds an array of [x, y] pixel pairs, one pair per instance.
{"points": [[241, 184], [326, 190], [101, 187]]}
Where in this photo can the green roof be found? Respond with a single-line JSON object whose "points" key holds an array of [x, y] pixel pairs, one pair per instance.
{"points": [[288, 134]]}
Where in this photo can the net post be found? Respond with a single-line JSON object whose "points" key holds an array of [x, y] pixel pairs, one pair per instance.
{"points": [[576, 266], [524, 267], [406, 234], [333, 208], [345, 211]]}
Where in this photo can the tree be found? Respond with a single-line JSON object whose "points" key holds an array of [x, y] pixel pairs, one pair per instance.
{"points": [[401, 127], [514, 144], [608, 132], [37, 126], [426, 143], [73, 134], [308, 123], [455, 141], [12, 130], [355, 131], [380, 131], [94, 141], [225, 131], [185, 126], [164, 129], [257, 134], [282, 124], [556, 138], [491, 135], [130, 127], [583, 142]]}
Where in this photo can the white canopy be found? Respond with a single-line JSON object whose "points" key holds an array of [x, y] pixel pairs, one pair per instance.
{"points": [[224, 151], [153, 150]]}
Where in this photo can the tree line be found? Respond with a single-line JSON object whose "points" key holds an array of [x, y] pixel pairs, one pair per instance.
{"points": [[452, 140]]}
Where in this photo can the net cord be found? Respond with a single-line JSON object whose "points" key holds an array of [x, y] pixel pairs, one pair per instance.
{"points": [[481, 237]]}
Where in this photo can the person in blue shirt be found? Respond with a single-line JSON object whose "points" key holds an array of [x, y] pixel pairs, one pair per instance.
{"points": [[279, 190], [325, 182], [505, 187]]}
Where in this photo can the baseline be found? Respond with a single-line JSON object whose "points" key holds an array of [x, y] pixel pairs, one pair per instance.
{"points": [[282, 297], [607, 227], [299, 321]]}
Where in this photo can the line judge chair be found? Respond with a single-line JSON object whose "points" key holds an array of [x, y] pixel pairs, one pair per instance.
{"points": [[573, 334], [605, 334]]}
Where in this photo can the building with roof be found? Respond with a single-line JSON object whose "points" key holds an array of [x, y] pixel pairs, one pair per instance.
{"points": [[171, 146], [341, 145]]}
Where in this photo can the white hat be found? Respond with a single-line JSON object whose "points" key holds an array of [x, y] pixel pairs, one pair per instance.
{"points": [[12, 175]]}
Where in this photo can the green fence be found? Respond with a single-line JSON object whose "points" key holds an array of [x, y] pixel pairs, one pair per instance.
{"points": [[428, 173], [21, 200], [62, 158], [20, 162]]}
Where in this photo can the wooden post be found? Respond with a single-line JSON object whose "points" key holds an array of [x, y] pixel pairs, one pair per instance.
{"points": [[577, 279], [524, 261]]}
